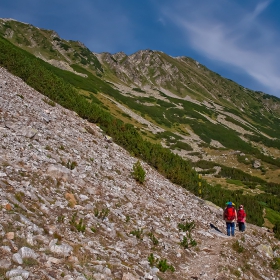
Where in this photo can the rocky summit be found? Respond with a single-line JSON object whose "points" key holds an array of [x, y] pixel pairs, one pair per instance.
{"points": [[72, 209]]}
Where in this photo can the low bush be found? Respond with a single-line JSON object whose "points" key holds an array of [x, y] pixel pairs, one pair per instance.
{"points": [[138, 172]]}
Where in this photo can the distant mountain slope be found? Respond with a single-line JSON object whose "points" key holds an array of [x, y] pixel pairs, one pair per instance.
{"points": [[176, 102]]}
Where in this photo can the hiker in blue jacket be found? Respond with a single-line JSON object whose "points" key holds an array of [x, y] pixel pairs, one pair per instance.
{"points": [[230, 216]]}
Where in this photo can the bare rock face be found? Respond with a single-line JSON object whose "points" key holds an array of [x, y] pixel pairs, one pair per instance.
{"points": [[76, 212]]}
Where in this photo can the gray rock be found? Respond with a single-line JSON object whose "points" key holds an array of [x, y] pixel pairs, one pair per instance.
{"points": [[16, 278], [5, 263], [45, 117], [26, 252], [17, 258], [28, 132], [129, 276], [83, 197], [154, 271], [148, 276], [81, 278], [62, 250], [29, 238], [17, 273], [107, 271], [256, 164]]}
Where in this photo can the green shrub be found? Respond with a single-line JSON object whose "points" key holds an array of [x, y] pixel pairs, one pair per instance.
{"points": [[152, 260], [71, 164], [60, 219], [276, 229], [163, 266], [80, 226], [127, 218], [153, 238], [101, 214], [187, 241], [137, 233], [187, 227], [19, 196], [275, 264], [236, 246], [138, 172]]}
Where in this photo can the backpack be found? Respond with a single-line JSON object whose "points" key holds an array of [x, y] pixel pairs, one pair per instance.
{"points": [[241, 215], [230, 213]]}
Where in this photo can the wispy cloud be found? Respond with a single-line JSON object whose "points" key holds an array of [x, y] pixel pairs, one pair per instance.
{"points": [[233, 34]]}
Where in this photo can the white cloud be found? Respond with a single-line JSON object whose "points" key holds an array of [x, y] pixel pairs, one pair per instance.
{"points": [[239, 38], [261, 7]]}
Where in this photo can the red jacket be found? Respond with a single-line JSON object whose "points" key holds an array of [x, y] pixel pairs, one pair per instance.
{"points": [[241, 215], [230, 210]]}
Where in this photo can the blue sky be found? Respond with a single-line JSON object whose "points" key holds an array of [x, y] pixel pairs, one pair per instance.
{"points": [[238, 39]]}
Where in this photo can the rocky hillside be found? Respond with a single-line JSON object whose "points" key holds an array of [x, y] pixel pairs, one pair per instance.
{"points": [[71, 209]]}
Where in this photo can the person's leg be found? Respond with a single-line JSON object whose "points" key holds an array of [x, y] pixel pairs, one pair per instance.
{"points": [[242, 227], [228, 229], [232, 228]]}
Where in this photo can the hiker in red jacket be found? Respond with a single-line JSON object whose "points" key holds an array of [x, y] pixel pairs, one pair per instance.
{"points": [[241, 218], [230, 216]]}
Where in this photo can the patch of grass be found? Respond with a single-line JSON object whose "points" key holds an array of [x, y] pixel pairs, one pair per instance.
{"points": [[93, 229], [57, 236], [19, 196], [3, 274], [137, 233], [234, 182], [153, 238], [101, 214], [80, 226], [272, 215], [236, 272], [29, 262], [275, 264], [237, 247]]}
